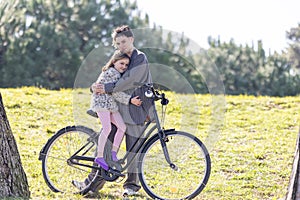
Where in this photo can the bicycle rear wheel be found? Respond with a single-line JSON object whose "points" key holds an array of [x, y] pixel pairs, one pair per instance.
{"points": [[57, 171], [189, 155]]}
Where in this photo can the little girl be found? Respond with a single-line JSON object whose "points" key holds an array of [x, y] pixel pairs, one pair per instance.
{"points": [[107, 109]]}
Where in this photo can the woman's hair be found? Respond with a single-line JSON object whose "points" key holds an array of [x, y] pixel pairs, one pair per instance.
{"points": [[118, 55], [123, 30]]}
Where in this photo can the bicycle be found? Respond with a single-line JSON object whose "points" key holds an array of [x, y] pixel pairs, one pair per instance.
{"points": [[171, 164]]}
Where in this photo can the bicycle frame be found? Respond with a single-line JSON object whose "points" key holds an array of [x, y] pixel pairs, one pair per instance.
{"points": [[143, 138], [75, 157]]}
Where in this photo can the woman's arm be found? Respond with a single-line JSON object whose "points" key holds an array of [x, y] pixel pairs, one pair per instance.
{"points": [[124, 98], [138, 72], [110, 76]]}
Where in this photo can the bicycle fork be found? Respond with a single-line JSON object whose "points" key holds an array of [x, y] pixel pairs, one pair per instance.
{"points": [[163, 141], [161, 131]]}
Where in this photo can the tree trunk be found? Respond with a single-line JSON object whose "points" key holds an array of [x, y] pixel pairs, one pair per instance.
{"points": [[13, 180]]}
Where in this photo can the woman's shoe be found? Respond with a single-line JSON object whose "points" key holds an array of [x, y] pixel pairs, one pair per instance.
{"points": [[129, 192]]}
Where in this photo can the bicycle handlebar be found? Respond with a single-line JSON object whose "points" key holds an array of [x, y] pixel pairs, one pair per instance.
{"points": [[152, 93]]}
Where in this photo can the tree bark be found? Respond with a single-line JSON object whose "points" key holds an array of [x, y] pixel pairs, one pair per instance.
{"points": [[13, 180]]}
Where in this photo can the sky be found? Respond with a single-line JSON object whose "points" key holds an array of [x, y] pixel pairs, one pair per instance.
{"points": [[245, 21]]}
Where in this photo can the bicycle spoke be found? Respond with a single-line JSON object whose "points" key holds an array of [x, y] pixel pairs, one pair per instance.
{"points": [[163, 182], [58, 170]]}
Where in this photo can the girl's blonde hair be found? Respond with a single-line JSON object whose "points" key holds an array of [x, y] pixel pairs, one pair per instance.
{"points": [[118, 55]]}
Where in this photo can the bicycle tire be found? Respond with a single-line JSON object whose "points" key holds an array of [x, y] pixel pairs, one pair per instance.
{"points": [[57, 172], [191, 157]]}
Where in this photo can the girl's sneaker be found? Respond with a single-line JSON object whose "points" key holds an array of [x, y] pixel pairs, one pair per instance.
{"points": [[100, 161], [114, 156]]}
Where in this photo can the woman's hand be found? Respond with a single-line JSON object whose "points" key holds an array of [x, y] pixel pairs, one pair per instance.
{"points": [[136, 101], [98, 88]]}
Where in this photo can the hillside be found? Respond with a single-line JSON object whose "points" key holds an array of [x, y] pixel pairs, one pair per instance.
{"points": [[252, 155]]}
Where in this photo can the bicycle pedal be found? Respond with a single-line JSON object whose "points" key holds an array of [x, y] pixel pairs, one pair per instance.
{"points": [[115, 172]]}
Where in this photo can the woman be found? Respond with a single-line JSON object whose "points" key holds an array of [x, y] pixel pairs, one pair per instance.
{"points": [[106, 107]]}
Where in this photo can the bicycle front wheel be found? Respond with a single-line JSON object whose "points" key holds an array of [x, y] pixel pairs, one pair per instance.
{"points": [[191, 172], [58, 171]]}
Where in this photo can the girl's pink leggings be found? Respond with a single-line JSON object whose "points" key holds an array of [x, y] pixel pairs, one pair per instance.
{"points": [[106, 118]]}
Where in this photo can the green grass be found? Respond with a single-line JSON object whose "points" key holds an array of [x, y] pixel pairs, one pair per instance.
{"points": [[251, 156]]}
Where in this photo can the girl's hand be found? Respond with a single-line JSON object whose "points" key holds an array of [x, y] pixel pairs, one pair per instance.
{"points": [[136, 101]]}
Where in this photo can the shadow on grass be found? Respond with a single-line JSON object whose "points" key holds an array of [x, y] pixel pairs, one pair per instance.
{"points": [[117, 196]]}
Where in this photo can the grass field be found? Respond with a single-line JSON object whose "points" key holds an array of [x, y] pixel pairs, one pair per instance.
{"points": [[251, 156]]}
